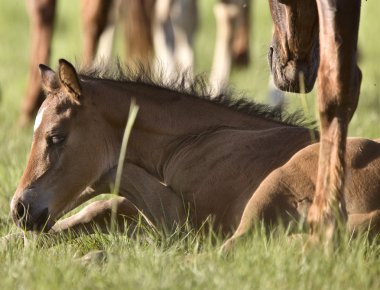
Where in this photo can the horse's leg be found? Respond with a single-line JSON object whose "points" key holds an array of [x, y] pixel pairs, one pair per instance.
{"points": [[339, 83], [94, 15], [139, 16], [221, 65], [99, 215], [163, 38], [151, 198], [240, 40], [157, 201], [105, 45], [184, 18], [103, 185], [41, 13], [271, 202]]}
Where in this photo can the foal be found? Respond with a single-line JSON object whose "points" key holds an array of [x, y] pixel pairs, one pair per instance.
{"points": [[186, 152]]}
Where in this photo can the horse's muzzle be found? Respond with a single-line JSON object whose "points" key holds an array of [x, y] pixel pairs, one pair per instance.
{"points": [[28, 218], [287, 70]]}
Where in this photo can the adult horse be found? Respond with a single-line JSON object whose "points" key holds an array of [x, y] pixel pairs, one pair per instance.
{"points": [[324, 32], [187, 154]]}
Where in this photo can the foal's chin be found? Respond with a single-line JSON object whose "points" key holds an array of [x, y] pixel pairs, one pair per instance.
{"points": [[45, 227]]}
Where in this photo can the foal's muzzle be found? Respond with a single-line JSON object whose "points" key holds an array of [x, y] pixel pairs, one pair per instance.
{"points": [[30, 218]]}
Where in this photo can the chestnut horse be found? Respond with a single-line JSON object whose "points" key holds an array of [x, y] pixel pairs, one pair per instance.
{"points": [[321, 34], [187, 154], [184, 150]]}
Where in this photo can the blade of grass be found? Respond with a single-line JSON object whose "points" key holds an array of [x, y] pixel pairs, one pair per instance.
{"points": [[304, 103], [133, 110]]}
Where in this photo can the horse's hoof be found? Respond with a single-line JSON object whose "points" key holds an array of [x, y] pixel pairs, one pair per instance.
{"points": [[96, 257], [227, 247]]}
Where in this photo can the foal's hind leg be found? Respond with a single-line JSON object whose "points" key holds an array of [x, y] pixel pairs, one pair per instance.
{"points": [[339, 84], [272, 201], [365, 221]]}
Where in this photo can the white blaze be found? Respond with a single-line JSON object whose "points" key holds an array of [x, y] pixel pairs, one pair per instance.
{"points": [[38, 120]]}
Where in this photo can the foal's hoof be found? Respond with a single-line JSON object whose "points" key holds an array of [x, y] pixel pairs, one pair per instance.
{"points": [[8, 240], [227, 246], [92, 257]]}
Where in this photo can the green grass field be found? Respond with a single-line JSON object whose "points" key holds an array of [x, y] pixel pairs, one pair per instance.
{"points": [[191, 261]]}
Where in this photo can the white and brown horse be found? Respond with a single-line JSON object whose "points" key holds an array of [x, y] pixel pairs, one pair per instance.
{"points": [[187, 153]]}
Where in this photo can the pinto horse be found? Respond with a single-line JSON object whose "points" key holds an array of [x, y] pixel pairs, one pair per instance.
{"points": [[187, 153], [311, 35]]}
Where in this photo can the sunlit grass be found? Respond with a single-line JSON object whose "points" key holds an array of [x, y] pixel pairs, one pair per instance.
{"points": [[185, 259]]}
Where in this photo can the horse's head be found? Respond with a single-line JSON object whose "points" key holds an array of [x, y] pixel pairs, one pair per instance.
{"points": [[64, 157], [295, 45]]}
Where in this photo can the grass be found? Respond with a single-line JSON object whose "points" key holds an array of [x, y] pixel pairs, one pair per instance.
{"points": [[180, 261]]}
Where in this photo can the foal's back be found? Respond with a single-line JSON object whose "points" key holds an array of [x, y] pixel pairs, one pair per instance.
{"points": [[219, 170]]}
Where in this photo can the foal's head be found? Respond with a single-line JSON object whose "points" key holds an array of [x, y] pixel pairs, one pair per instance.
{"points": [[65, 154], [295, 45]]}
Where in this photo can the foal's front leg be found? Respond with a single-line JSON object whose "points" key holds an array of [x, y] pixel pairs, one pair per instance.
{"points": [[156, 200], [141, 193], [99, 215], [339, 83]]}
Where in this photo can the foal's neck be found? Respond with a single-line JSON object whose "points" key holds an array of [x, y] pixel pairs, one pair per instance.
{"points": [[164, 116]]}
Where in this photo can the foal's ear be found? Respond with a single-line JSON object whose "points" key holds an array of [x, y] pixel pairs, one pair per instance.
{"points": [[49, 79], [69, 79]]}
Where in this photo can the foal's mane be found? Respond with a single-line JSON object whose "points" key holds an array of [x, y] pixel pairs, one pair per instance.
{"points": [[195, 86]]}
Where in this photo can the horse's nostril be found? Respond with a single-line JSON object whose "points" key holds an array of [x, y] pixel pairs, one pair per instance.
{"points": [[270, 57], [20, 211]]}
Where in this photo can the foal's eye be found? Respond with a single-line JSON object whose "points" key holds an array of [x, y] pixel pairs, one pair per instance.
{"points": [[55, 139]]}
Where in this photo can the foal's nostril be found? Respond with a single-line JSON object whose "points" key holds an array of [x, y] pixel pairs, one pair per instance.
{"points": [[20, 211]]}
